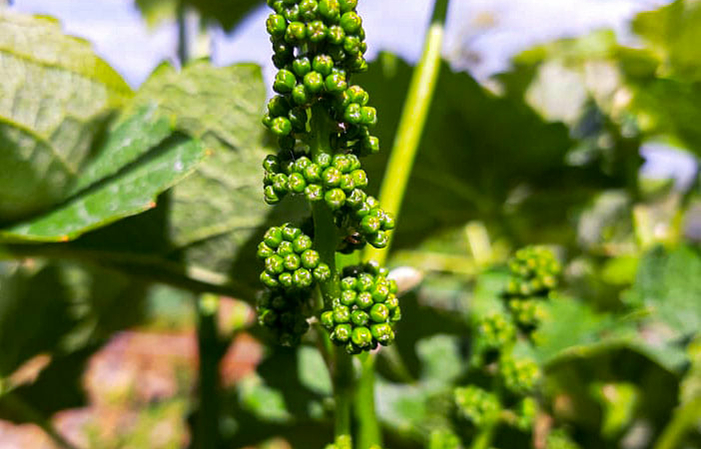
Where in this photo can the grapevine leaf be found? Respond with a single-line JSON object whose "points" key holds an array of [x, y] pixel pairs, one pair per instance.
{"points": [[140, 159], [54, 99]]}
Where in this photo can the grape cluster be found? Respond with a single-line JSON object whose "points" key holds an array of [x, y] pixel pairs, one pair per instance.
{"points": [[364, 315], [520, 375], [318, 44], [534, 271], [496, 333], [534, 275], [477, 405], [291, 268]]}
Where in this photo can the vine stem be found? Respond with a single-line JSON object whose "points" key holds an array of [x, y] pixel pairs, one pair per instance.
{"points": [[207, 425], [683, 419], [484, 438], [326, 241], [394, 183]]}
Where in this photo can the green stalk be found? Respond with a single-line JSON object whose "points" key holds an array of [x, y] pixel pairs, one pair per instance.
{"points": [[483, 440], [183, 54], [394, 183], [685, 418], [207, 425], [413, 119], [326, 241]]}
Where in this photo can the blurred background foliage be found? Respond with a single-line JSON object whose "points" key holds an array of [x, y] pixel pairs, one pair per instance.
{"points": [[118, 207]]}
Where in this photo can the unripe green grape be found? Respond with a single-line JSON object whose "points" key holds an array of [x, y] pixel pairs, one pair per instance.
{"points": [[270, 195], [280, 183], [379, 313], [295, 32], [392, 302], [351, 45], [278, 106], [359, 318], [347, 5], [348, 283], [264, 251], [269, 280], [286, 280], [335, 198], [358, 95], [281, 126], [351, 22], [380, 239], [388, 222], [274, 264], [370, 224], [284, 82], [296, 183], [292, 262], [308, 10], [335, 82], [301, 243], [364, 300], [301, 66], [347, 184], [356, 198], [289, 232], [300, 95], [298, 118], [323, 64], [291, 13], [314, 82], [316, 31], [273, 237], [353, 114], [380, 293], [312, 173], [322, 272], [331, 177], [368, 116], [365, 282], [276, 25], [310, 259], [395, 315], [271, 163], [284, 248], [341, 333], [383, 333], [326, 320], [330, 10], [335, 35], [314, 192], [323, 160], [371, 145], [341, 314], [302, 278], [361, 337], [348, 297]]}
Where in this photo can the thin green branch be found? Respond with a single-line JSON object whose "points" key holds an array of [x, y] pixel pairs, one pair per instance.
{"points": [[207, 434], [394, 183], [326, 241], [684, 419], [413, 119]]}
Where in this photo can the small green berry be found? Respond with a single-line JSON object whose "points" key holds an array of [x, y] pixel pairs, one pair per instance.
{"points": [[322, 272], [335, 82], [379, 313], [331, 177], [341, 314], [330, 10], [335, 198], [335, 35], [302, 278], [361, 337], [341, 333], [291, 262], [310, 259], [273, 237], [353, 114], [348, 297], [274, 264], [281, 126], [276, 25], [314, 192], [289, 232], [284, 248], [364, 300], [286, 280], [359, 318], [296, 183], [264, 251], [316, 31], [269, 280], [312, 173], [284, 82], [351, 22], [301, 243], [322, 64], [314, 82]]}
